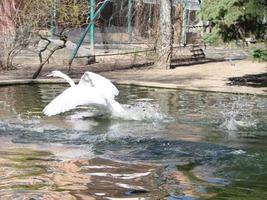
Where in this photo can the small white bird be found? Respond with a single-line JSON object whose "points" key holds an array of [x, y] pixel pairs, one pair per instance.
{"points": [[93, 89]]}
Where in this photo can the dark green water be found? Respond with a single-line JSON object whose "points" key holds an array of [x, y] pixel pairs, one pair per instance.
{"points": [[217, 141]]}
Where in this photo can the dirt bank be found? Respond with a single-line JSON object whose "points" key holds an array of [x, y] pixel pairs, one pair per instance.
{"points": [[207, 77]]}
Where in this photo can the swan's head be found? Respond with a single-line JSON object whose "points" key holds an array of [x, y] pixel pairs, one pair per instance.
{"points": [[55, 73]]}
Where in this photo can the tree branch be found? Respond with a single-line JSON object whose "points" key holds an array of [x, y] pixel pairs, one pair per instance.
{"points": [[43, 49], [63, 38]]}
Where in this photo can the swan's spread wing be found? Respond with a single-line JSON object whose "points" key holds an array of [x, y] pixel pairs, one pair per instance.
{"points": [[73, 97], [104, 85]]}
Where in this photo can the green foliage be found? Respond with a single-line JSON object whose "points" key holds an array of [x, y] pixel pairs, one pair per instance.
{"points": [[235, 19], [213, 37], [260, 54]]}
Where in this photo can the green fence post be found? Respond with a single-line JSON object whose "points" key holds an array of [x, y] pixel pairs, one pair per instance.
{"points": [[53, 17], [87, 29], [184, 22], [130, 31], [92, 28]]}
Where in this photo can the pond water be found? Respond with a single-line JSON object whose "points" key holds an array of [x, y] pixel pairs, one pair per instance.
{"points": [[171, 145]]}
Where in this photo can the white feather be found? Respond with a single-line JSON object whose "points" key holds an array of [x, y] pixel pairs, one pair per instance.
{"points": [[73, 97], [104, 85], [115, 107]]}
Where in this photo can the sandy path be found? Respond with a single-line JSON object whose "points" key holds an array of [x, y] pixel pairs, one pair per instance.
{"points": [[207, 77]]}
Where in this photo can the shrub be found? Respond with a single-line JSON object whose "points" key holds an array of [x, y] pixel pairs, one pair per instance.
{"points": [[260, 54]]}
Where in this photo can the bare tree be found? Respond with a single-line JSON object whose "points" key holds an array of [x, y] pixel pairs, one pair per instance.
{"points": [[21, 20], [165, 42], [12, 37], [63, 38]]}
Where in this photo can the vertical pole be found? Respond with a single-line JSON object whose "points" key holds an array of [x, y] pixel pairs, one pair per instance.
{"points": [[184, 22], [92, 22], [149, 20], [188, 19], [86, 31], [130, 32], [53, 17]]}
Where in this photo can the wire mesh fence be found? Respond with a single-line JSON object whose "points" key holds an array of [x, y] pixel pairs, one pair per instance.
{"points": [[128, 28], [130, 21]]}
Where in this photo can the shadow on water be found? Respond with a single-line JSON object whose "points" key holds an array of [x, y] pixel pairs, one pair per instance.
{"points": [[171, 145]]}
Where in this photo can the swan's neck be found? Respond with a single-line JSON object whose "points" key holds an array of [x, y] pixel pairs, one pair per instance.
{"points": [[67, 78]]}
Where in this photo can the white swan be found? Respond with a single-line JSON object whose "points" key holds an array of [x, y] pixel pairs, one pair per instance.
{"points": [[93, 89], [59, 74]]}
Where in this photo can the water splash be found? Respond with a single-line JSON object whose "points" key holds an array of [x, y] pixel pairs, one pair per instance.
{"points": [[238, 114], [143, 111], [139, 111]]}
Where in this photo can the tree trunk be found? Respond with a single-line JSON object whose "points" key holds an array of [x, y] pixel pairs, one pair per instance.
{"points": [[8, 46], [138, 17], [178, 23], [7, 12], [165, 41]]}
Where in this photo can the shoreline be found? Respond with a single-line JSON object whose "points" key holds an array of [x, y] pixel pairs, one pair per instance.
{"points": [[129, 83], [209, 77]]}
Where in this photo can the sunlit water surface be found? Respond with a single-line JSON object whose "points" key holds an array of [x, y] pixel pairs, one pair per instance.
{"points": [[170, 145]]}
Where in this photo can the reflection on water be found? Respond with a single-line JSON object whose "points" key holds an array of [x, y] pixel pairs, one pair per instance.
{"points": [[171, 145]]}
